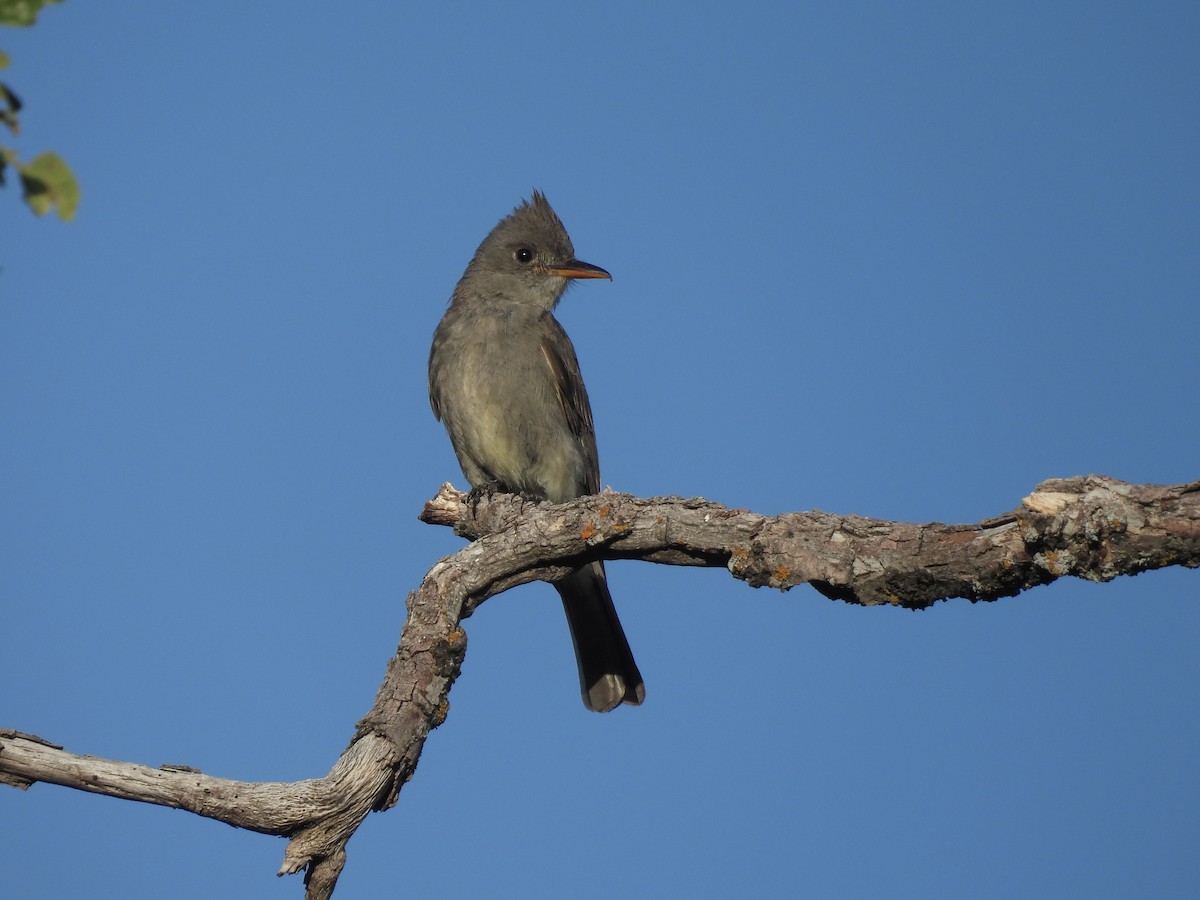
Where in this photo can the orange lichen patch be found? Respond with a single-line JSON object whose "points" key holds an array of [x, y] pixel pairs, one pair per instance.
{"points": [[456, 637], [588, 531], [1052, 562], [739, 559], [782, 573], [605, 510], [959, 537], [439, 715]]}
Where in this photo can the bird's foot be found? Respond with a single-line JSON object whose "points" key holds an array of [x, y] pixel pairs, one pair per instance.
{"points": [[487, 489], [490, 488]]}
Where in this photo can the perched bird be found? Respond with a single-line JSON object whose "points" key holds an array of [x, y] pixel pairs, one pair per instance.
{"points": [[504, 380]]}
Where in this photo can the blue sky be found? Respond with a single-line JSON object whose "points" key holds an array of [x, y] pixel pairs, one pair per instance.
{"points": [[903, 261]]}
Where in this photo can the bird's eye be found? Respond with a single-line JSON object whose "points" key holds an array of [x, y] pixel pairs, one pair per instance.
{"points": [[523, 255]]}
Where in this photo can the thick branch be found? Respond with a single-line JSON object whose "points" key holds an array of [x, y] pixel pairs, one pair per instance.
{"points": [[1089, 527], [1093, 527], [282, 808]]}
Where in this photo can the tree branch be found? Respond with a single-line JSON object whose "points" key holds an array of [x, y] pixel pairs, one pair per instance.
{"points": [[1089, 527]]}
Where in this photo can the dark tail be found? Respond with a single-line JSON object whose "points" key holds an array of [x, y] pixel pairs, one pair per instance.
{"points": [[608, 676]]}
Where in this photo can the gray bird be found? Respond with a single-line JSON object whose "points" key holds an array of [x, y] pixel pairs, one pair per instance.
{"points": [[504, 380]]}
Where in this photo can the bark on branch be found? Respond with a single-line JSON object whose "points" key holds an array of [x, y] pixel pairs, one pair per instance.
{"points": [[1089, 527]]}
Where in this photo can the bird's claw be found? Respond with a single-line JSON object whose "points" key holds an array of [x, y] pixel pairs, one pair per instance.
{"points": [[487, 489]]}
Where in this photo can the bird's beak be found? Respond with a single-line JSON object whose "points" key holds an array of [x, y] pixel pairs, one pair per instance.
{"points": [[575, 269]]}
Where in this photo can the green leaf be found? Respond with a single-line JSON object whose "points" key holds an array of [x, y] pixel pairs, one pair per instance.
{"points": [[21, 12], [48, 182], [10, 105]]}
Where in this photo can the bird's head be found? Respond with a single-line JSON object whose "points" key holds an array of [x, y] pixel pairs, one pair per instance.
{"points": [[528, 257]]}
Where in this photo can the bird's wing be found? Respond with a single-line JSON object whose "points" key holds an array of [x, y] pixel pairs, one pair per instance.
{"points": [[433, 367], [572, 395]]}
